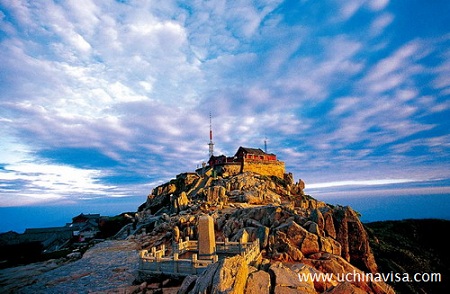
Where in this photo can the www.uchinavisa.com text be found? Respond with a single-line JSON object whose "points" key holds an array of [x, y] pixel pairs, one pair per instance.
{"points": [[370, 277]]}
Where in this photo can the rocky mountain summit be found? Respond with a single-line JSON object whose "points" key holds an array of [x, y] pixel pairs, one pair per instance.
{"points": [[298, 235], [303, 245]]}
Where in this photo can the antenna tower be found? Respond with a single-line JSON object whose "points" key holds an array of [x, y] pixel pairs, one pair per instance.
{"points": [[211, 143], [265, 144]]}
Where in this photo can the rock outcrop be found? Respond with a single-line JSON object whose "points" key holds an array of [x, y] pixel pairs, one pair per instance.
{"points": [[227, 276], [297, 234], [299, 237]]}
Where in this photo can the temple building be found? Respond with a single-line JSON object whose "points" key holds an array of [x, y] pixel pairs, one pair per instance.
{"points": [[248, 160]]}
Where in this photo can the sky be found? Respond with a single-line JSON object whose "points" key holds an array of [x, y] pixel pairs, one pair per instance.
{"points": [[101, 100]]}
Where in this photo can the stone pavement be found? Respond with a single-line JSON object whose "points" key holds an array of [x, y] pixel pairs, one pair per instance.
{"points": [[107, 267]]}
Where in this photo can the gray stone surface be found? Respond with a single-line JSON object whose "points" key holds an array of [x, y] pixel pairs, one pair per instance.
{"points": [[106, 267]]}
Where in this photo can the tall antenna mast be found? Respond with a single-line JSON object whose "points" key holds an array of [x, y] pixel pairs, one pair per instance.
{"points": [[211, 143], [265, 144]]}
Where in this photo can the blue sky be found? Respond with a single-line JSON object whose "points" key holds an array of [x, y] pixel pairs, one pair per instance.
{"points": [[107, 99]]}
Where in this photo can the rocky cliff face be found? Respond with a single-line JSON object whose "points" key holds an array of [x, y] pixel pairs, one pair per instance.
{"points": [[298, 234]]}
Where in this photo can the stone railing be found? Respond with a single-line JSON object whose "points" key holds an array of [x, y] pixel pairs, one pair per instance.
{"points": [[233, 248], [185, 246], [155, 261], [251, 252], [172, 265]]}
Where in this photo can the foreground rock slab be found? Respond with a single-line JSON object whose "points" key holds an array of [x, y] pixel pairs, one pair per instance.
{"points": [[108, 267]]}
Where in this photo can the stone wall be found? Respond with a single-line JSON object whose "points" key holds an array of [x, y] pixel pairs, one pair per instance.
{"points": [[266, 168]]}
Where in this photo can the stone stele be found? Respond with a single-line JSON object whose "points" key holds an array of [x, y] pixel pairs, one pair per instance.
{"points": [[206, 237]]}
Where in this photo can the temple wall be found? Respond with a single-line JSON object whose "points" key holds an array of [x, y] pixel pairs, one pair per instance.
{"points": [[267, 168]]}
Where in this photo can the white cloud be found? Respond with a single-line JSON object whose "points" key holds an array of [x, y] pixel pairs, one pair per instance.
{"points": [[246, 18], [345, 105], [12, 152], [375, 121], [360, 183], [86, 15], [394, 70], [380, 23], [51, 177], [442, 79], [349, 8], [34, 181], [330, 194], [377, 5]]}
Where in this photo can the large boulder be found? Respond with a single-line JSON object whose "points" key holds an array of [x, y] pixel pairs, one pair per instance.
{"points": [[258, 283], [183, 201], [352, 236], [342, 271], [345, 288], [287, 280], [317, 217], [229, 276], [329, 224], [187, 285], [299, 237], [203, 284], [216, 194]]}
